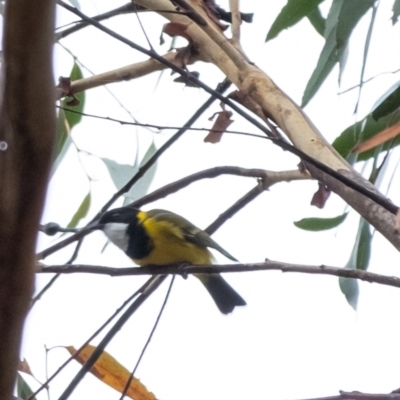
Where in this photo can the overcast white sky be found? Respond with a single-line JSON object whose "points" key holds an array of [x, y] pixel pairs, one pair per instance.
{"points": [[297, 337]]}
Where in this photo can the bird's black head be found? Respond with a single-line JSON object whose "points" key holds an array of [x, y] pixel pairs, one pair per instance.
{"points": [[123, 215]]}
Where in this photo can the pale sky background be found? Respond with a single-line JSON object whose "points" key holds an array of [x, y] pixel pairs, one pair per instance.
{"points": [[297, 338]]}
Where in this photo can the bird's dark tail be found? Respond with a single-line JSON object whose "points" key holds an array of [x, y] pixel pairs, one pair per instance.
{"points": [[225, 297]]}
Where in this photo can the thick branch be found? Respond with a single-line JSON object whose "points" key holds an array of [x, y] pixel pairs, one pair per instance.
{"points": [[27, 127], [127, 73], [258, 86], [184, 270]]}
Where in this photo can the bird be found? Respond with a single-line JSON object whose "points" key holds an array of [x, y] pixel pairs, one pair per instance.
{"points": [[162, 237]]}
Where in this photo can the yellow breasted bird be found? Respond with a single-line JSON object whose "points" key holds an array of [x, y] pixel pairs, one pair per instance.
{"points": [[162, 237]]}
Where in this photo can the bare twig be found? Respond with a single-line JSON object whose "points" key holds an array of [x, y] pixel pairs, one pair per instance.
{"points": [[209, 269], [150, 289]]}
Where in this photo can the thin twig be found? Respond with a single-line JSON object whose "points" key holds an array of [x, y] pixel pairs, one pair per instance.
{"points": [[127, 301], [148, 339], [231, 211], [225, 268], [155, 283]]}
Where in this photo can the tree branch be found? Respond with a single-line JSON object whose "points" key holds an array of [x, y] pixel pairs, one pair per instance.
{"points": [[184, 270]]}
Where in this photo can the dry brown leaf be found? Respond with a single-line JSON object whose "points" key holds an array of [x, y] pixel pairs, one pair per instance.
{"points": [[220, 125], [23, 366], [112, 373], [381, 137], [320, 196], [176, 29]]}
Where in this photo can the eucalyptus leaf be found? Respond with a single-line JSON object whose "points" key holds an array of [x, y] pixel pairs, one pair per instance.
{"points": [[350, 289], [81, 212], [317, 20], [396, 11], [320, 224], [291, 14], [119, 173], [361, 131], [142, 186], [359, 259], [74, 118], [342, 18], [75, 3], [388, 105], [23, 389]]}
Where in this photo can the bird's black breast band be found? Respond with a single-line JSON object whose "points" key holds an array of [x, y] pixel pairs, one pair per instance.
{"points": [[140, 244]]}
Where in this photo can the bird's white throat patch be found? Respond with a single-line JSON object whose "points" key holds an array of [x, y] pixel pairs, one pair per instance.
{"points": [[116, 232]]}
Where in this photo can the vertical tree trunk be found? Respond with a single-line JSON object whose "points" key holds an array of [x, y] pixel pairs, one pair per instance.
{"points": [[27, 127]]}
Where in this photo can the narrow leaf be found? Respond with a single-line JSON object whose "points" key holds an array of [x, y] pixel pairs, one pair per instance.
{"points": [[359, 259], [75, 3], [113, 374], [320, 224], [330, 53], [81, 212], [317, 20], [343, 16], [380, 138], [73, 118], [361, 131], [290, 14], [119, 173], [350, 289], [142, 186], [389, 104], [23, 389], [396, 11]]}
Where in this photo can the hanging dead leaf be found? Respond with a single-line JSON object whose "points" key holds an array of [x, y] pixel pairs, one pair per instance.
{"points": [[112, 373], [380, 138], [320, 196], [186, 81], [220, 125], [176, 29], [23, 366]]}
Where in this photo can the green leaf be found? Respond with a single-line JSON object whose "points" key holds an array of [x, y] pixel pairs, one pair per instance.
{"points": [[396, 11], [290, 14], [119, 173], [359, 259], [343, 16], [81, 212], [389, 104], [317, 20], [320, 224], [63, 141], [350, 289], [329, 55], [142, 186], [75, 3], [73, 118], [23, 389], [361, 131]]}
